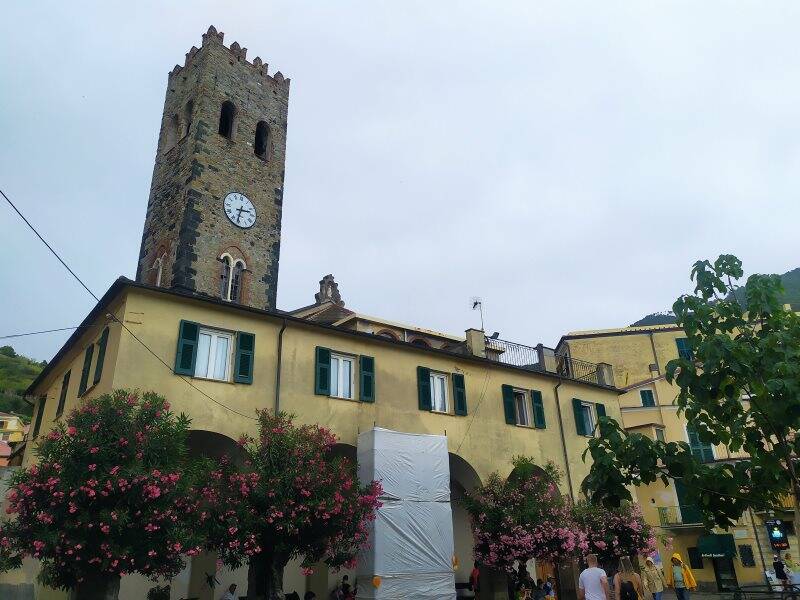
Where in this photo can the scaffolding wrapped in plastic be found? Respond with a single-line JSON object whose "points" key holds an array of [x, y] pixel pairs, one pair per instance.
{"points": [[411, 541]]}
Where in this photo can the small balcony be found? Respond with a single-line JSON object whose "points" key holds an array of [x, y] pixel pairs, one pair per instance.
{"points": [[678, 517], [542, 358]]}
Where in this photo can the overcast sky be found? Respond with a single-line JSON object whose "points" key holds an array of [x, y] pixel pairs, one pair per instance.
{"points": [[567, 162]]}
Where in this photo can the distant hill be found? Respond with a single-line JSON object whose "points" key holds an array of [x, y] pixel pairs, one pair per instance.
{"points": [[791, 295], [16, 374]]}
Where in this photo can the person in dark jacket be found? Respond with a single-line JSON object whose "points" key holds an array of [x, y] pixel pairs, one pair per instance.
{"points": [[780, 570]]}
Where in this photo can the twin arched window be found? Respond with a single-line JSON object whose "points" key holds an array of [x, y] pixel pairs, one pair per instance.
{"points": [[157, 269], [230, 280]]}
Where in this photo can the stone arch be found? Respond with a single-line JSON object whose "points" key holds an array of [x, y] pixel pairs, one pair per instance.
{"points": [[387, 333], [262, 141], [212, 445], [418, 341], [464, 479], [227, 119]]}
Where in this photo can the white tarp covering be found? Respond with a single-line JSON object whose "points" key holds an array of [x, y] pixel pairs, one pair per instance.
{"points": [[411, 542]]}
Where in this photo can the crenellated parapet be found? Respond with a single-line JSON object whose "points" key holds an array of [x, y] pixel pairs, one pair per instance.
{"points": [[214, 37]]}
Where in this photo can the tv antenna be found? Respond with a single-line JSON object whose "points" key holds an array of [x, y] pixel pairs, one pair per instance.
{"points": [[477, 304]]}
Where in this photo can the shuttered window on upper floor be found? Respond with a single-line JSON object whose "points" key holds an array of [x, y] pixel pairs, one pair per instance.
{"points": [[87, 366], [336, 374], [441, 392], [684, 351], [523, 407], [700, 450], [62, 398], [587, 415], [215, 354]]}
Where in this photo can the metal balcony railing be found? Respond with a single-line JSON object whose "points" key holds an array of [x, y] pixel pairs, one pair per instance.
{"points": [[511, 353], [574, 368], [541, 358], [676, 516]]}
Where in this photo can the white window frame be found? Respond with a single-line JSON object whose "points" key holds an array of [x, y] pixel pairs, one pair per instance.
{"points": [[663, 434], [340, 380], [526, 405], [215, 334], [641, 397], [434, 377], [589, 409]]}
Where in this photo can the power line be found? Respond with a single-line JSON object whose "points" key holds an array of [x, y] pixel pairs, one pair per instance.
{"points": [[19, 335], [113, 317]]}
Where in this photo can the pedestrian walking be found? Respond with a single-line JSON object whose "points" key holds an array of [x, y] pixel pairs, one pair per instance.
{"points": [[593, 581], [653, 580], [475, 581], [680, 577], [230, 594], [780, 570], [627, 583]]}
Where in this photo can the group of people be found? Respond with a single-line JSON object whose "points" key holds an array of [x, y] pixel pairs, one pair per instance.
{"points": [[343, 591], [630, 585]]}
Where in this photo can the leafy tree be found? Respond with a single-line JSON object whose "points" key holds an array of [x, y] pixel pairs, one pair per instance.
{"points": [[290, 497], [8, 351], [522, 517], [740, 387], [106, 498]]}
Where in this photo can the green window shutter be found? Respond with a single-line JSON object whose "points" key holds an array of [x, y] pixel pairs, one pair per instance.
{"points": [[601, 410], [648, 399], [580, 423], [702, 452], [39, 413], [101, 356], [684, 351], [508, 405], [366, 388], [186, 355], [87, 365], [322, 371], [460, 394], [63, 396], [424, 388], [538, 410], [245, 354]]}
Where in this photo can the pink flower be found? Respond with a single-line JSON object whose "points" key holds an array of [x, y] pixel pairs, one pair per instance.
{"points": [[94, 450], [71, 430]]}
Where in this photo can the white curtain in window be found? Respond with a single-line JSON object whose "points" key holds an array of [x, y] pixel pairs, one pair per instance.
{"points": [[522, 408], [203, 349], [220, 359], [438, 393]]}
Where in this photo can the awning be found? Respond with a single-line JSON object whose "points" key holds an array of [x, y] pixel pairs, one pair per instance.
{"points": [[716, 545]]}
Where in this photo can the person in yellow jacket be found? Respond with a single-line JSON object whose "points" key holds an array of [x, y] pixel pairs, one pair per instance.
{"points": [[679, 576]]}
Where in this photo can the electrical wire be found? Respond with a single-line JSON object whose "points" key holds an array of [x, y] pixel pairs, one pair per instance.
{"points": [[19, 335], [114, 317]]}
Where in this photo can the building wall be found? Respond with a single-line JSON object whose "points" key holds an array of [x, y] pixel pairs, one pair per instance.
{"points": [[482, 439], [631, 357]]}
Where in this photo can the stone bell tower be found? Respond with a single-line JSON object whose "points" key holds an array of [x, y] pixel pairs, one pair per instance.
{"points": [[213, 223]]}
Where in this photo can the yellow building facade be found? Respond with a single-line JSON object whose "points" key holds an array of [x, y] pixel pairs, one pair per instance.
{"points": [[639, 356], [489, 408], [12, 428]]}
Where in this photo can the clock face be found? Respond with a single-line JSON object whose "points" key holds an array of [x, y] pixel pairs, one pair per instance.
{"points": [[240, 210]]}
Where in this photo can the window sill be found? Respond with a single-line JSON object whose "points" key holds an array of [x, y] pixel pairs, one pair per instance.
{"points": [[87, 390], [213, 380], [343, 398], [523, 426]]}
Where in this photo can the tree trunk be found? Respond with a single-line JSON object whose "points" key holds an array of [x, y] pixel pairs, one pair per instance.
{"points": [[265, 577], [97, 587]]}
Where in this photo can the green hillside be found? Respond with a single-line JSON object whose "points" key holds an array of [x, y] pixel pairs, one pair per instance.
{"points": [[16, 373], [791, 295]]}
